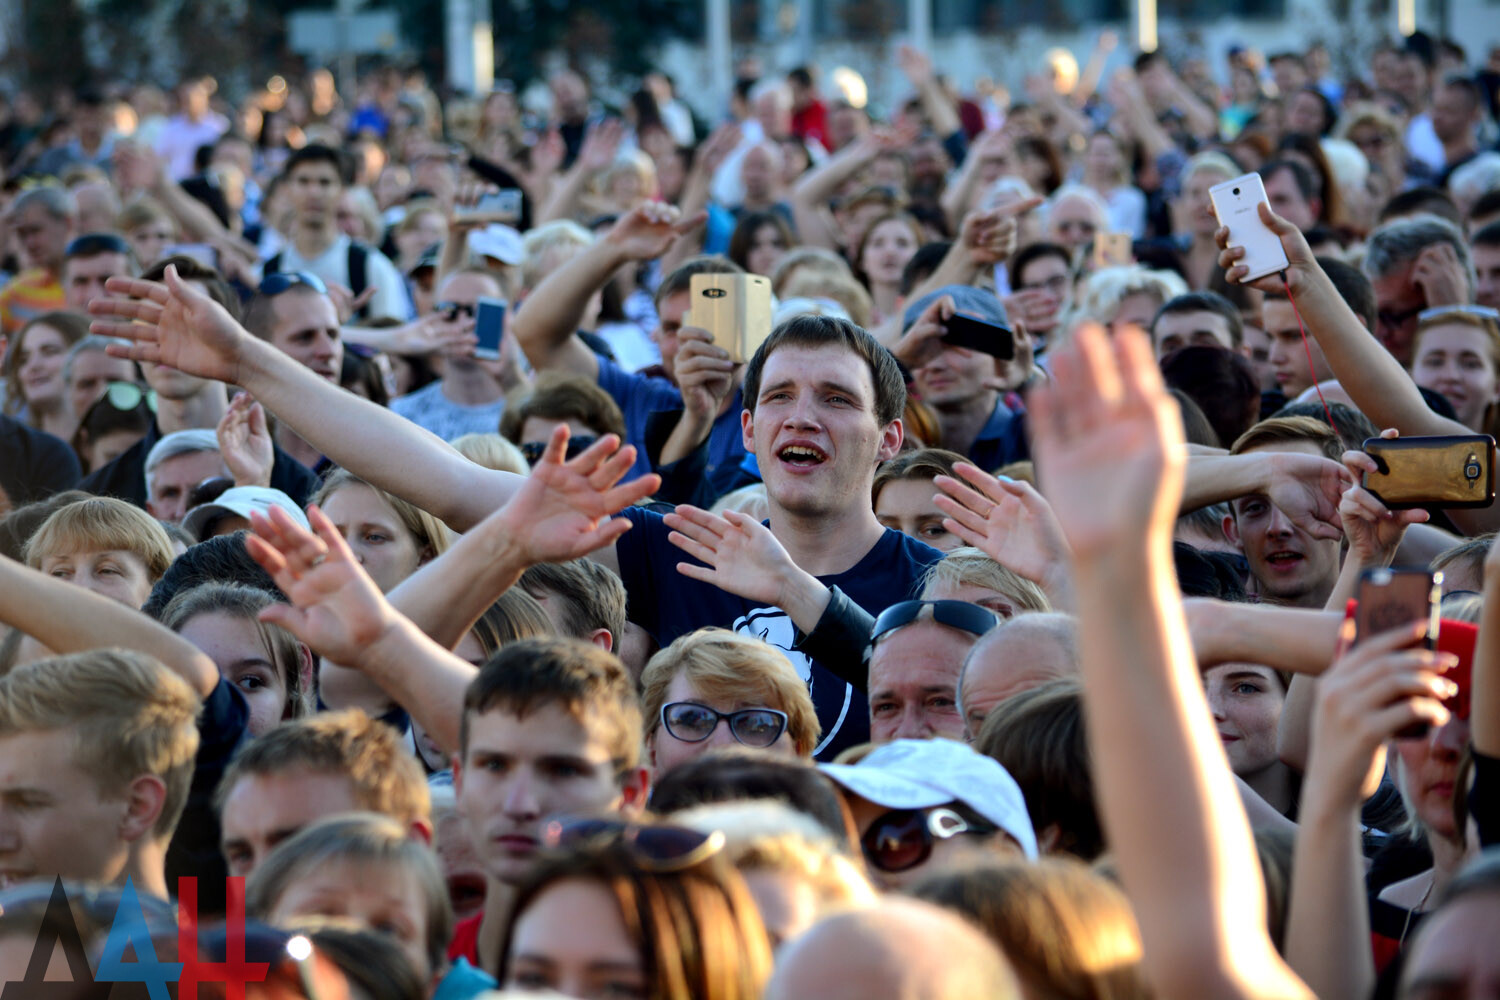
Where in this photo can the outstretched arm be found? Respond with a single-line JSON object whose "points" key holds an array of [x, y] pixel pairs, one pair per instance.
{"points": [[69, 619], [1013, 524], [1106, 427], [176, 324], [1307, 488]]}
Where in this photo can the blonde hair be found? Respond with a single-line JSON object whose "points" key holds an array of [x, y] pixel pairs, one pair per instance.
{"points": [[548, 246], [130, 716], [750, 500], [493, 452], [723, 665], [807, 283], [809, 260], [102, 524], [361, 839], [1101, 293], [970, 566], [432, 536]]}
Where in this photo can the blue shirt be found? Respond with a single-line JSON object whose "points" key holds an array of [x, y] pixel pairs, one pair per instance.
{"points": [[1002, 440], [668, 604], [639, 396], [463, 982]]}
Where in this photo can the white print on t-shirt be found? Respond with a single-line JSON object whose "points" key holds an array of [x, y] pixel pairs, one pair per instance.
{"points": [[774, 626]]}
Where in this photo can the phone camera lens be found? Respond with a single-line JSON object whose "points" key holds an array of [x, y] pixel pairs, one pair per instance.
{"points": [[1472, 470], [1236, 192]]}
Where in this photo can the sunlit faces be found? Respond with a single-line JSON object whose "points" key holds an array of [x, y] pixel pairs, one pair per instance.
{"points": [[1246, 702], [887, 248], [306, 327], [1289, 565], [385, 898], [1427, 774], [1288, 355], [669, 321], [955, 375], [119, 575], [378, 539], [1176, 330], [814, 429], [238, 647], [913, 682], [1073, 221], [572, 940], [55, 820], [90, 374], [666, 751], [170, 484], [84, 277], [1458, 360], [907, 505], [38, 358], [262, 810], [520, 770]]}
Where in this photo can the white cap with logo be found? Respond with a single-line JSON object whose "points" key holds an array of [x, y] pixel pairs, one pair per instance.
{"points": [[241, 500]]}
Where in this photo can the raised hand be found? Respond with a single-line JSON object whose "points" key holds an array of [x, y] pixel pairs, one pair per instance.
{"points": [[563, 511], [1108, 443], [1308, 489], [916, 64], [245, 442], [705, 373], [335, 607], [990, 234], [923, 341], [172, 323], [1009, 521], [717, 147], [346, 302], [649, 230], [1301, 268], [1441, 276], [434, 332], [601, 143], [1374, 531], [741, 554]]}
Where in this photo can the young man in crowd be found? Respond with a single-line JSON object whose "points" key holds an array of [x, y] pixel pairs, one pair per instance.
{"points": [[1197, 319], [1289, 356], [91, 260]]}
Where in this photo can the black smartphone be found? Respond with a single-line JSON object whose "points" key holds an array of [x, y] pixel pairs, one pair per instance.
{"points": [[489, 324], [977, 335], [1391, 598], [1443, 470]]}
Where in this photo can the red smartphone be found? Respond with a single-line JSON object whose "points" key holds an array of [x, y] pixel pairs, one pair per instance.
{"points": [[1391, 598]]}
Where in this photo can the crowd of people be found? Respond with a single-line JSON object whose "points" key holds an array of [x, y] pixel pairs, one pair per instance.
{"points": [[611, 662]]}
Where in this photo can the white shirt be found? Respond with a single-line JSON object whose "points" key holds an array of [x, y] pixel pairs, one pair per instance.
{"points": [[179, 139], [332, 265]]}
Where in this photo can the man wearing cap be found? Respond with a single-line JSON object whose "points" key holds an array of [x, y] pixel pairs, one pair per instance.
{"points": [[90, 261], [924, 805], [316, 177], [964, 387], [230, 512], [916, 653]]}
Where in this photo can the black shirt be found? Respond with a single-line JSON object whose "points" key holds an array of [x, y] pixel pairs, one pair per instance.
{"points": [[34, 464]]}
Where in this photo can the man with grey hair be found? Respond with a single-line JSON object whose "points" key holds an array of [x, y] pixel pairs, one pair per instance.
{"points": [[177, 463], [1415, 263], [43, 220], [903, 950], [1025, 652]]}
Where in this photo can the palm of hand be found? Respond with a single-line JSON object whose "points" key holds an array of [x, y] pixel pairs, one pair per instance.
{"points": [[337, 610], [198, 337], [555, 513], [1108, 480], [1018, 542], [753, 559]]}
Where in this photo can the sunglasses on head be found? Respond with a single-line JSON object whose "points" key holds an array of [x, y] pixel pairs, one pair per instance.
{"points": [[658, 847], [902, 839], [452, 310], [126, 396], [691, 722], [961, 615], [274, 284], [534, 450]]}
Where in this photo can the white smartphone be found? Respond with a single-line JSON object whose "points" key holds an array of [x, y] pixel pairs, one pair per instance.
{"points": [[1235, 203]]}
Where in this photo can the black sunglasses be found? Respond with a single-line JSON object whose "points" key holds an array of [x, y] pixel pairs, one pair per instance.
{"points": [[534, 450], [657, 847], [691, 722], [1391, 317], [452, 310], [902, 839], [274, 284], [93, 244], [955, 614]]}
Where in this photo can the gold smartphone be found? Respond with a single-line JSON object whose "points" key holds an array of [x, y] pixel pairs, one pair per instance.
{"points": [[1441, 471], [734, 308]]}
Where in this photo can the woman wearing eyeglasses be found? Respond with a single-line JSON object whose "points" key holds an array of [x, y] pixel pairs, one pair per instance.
{"points": [[623, 911], [1456, 352], [714, 688]]}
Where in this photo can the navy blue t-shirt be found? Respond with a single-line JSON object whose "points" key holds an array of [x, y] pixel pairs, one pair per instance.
{"points": [[668, 604], [639, 396]]}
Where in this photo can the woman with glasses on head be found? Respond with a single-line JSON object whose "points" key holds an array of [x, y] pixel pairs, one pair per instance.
{"points": [[1456, 352], [714, 688], [621, 911]]}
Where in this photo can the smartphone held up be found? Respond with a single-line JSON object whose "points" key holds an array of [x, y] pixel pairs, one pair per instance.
{"points": [[1237, 204]]}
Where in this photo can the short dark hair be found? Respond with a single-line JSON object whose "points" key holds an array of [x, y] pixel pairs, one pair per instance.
{"points": [[922, 263], [1351, 425], [1306, 182], [559, 396], [222, 559], [189, 269], [681, 279], [318, 153], [1034, 252], [1221, 382], [826, 331], [1488, 236], [1466, 84], [800, 75], [1421, 199], [1204, 302], [1353, 286], [743, 237], [578, 676], [587, 596]]}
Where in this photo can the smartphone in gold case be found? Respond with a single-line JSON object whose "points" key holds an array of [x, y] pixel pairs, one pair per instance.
{"points": [[734, 308], [1438, 471]]}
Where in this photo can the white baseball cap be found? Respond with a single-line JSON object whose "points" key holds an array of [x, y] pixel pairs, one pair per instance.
{"points": [[500, 242], [241, 500], [921, 774]]}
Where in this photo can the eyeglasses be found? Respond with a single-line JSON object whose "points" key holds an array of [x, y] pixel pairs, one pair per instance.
{"points": [[691, 722], [274, 284], [1055, 284], [126, 396], [902, 839], [534, 450], [656, 847], [1390, 317], [452, 310], [955, 614], [93, 244]]}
